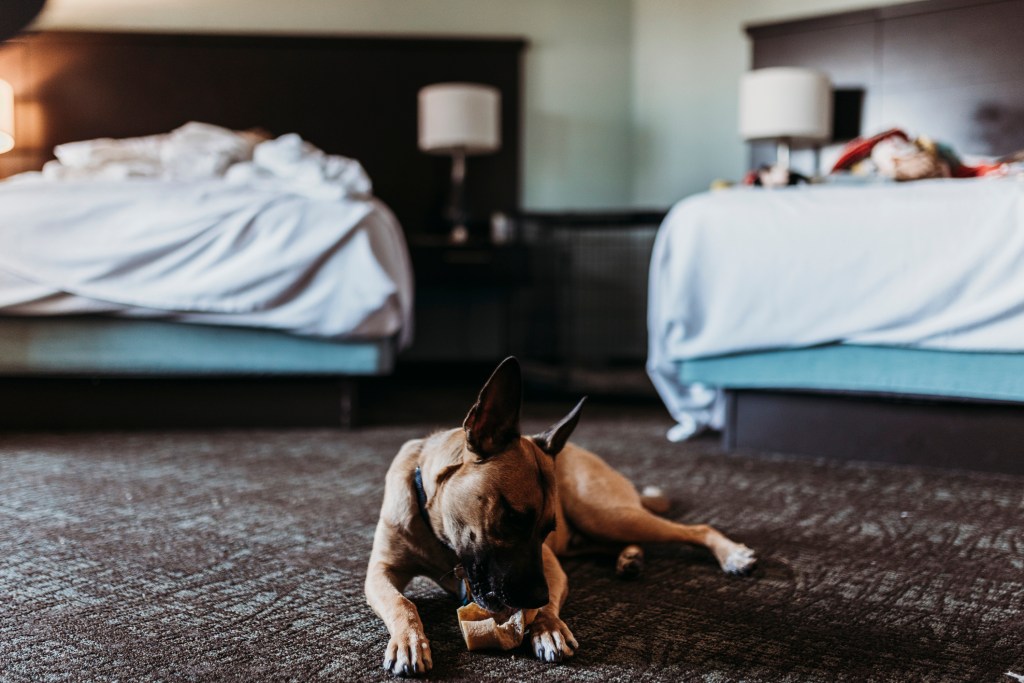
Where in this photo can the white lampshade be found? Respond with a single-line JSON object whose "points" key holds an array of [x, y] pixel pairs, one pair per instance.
{"points": [[6, 116], [786, 102], [460, 117]]}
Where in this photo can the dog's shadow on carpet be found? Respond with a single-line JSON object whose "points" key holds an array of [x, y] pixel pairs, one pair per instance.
{"points": [[683, 614]]}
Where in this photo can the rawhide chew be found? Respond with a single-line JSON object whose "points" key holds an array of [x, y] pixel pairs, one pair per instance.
{"points": [[482, 632]]}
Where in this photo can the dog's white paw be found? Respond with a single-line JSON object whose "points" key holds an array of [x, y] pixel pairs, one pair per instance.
{"points": [[551, 639], [740, 560], [408, 654]]}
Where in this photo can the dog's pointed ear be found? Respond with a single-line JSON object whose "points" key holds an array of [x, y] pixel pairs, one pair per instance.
{"points": [[554, 439], [493, 421]]}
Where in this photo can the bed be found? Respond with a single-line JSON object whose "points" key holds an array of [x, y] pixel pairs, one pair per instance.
{"points": [[204, 226], [326, 290], [869, 320]]}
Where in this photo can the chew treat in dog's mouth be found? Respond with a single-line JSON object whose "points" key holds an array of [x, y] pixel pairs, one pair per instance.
{"points": [[482, 632]]}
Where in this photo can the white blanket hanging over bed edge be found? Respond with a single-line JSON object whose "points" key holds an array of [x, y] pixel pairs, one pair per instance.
{"points": [[932, 264], [300, 247]]}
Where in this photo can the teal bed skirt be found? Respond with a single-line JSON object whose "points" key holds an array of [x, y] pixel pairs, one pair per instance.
{"points": [[95, 346], [867, 369]]}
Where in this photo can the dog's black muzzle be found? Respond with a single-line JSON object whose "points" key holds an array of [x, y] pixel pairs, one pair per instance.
{"points": [[508, 578]]}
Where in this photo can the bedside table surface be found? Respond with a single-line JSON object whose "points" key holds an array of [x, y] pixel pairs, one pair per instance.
{"points": [[471, 264]]}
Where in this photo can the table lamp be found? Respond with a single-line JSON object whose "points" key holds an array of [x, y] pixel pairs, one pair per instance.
{"points": [[6, 117], [786, 104], [460, 120]]}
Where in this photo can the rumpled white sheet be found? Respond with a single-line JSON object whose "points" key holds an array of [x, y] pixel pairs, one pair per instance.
{"points": [[207, 252], [293, 164], [933, 264], [277, 251], [193, 151], [201, 150]]}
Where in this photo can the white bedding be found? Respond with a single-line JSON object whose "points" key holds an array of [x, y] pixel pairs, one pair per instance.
{"points": [[209, 250], [931, 264]]}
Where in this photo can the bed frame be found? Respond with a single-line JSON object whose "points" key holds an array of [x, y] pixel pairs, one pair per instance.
{"points": [[355, 96], [953, 70], [893, 404]]}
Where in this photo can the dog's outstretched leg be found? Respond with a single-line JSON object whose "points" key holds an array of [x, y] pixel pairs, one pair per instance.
{"points": [[408, 650], [605, 506], [551, 639], [655, 500], [636, 525]]}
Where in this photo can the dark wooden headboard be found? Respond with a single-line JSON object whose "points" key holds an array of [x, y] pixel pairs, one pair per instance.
{"points": [[949, 69], [348, 95]]}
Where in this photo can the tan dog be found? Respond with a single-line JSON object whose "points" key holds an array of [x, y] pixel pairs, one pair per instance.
{"points": [[499, 507]]}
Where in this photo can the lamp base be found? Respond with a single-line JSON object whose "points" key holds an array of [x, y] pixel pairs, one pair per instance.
{"points": [[456, 212], [782, 154]]}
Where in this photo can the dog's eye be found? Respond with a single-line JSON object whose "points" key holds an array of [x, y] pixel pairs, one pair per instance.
{"points": [[516, 520], [519, 520]]}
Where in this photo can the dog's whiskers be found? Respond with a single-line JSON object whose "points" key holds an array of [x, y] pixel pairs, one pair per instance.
{"points": [[450, 572]]}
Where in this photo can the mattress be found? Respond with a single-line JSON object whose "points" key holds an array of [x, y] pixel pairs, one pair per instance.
{"points": [[206, 225], [205, 252]]}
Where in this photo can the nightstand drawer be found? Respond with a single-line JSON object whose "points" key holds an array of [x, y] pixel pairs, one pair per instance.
{"points": [[471, 266]]}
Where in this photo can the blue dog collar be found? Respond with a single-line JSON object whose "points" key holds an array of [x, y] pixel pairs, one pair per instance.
{"points": [[421, 502], [421, 497]]}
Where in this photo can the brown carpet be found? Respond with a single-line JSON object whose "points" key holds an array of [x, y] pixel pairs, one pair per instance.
{"points": [[241, 556]]}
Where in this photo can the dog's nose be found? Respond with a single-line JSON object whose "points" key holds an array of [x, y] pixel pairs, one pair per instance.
{"points": [[534, 597]]}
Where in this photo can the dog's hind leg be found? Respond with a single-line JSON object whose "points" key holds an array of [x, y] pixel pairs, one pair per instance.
{"points": [[605, 506], [655, 500], [630, 524]]}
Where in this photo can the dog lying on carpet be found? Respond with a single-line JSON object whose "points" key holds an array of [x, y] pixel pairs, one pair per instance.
{"points": [[488, 504]]}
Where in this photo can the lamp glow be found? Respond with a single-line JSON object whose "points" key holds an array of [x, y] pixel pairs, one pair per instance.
{"points": [[6, 117]]}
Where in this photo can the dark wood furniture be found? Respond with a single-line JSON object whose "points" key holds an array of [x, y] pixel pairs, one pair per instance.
{"points": [[949, 69], [976, 435], [193, 402], [587, 328], [568, 296], [350, 95], [474, 264], [469, 298]]}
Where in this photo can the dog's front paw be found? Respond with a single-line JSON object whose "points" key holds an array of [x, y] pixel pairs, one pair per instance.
{"points": [[551, 639], [740, 560], [408, 654]]}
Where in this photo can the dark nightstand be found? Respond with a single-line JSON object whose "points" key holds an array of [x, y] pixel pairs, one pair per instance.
{"points": [[587, 327], [439, 264], [468, 300]]}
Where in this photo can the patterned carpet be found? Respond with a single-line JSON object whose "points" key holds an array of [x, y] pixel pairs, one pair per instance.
{"points": [[241, 556]]}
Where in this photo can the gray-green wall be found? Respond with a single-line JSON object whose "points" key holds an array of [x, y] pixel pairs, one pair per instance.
{"points": [[627, 102]]}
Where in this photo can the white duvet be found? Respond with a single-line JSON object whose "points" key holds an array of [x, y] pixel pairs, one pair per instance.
{"points": [[933, 264], [257, 249]]}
